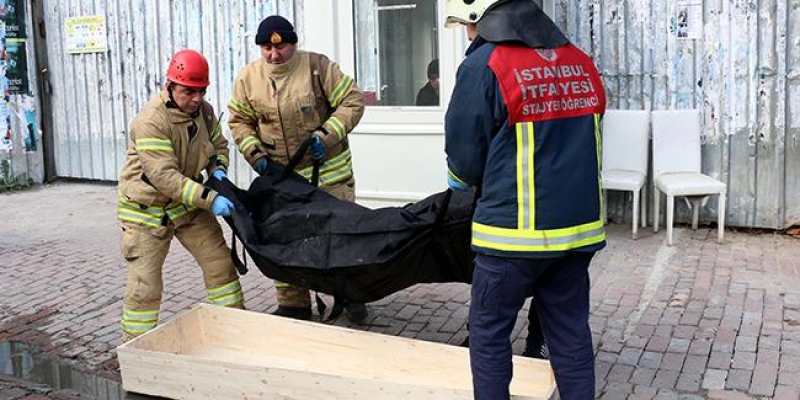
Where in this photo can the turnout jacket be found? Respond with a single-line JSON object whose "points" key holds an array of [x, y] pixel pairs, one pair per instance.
{"points": [[523, 126], [274, 108], [167, 152]]}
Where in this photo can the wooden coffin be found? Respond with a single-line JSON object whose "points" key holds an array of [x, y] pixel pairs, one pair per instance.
{"points": [[213, 352]]}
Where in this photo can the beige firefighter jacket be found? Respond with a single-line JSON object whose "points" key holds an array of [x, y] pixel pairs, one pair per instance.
{"points": [[274, 108], [162, 177]]}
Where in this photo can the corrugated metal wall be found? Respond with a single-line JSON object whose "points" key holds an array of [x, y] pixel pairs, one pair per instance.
{"points": [[743, 74], [96, 95]]}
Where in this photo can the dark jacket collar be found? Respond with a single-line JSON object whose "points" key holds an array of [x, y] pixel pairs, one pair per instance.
{"points": [[477, 42], [520, 21]]}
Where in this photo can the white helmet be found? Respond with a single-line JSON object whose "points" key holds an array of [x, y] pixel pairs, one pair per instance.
{"points": [[460, 12]]}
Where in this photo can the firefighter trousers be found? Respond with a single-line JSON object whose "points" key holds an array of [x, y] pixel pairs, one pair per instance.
{"points": [[561, 287], [146, 249], [295, 296]]}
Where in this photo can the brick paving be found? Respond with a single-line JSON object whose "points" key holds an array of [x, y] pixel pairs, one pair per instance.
{"points": [[693, 321]]}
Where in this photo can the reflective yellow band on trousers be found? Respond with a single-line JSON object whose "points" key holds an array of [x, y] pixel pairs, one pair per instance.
{"points": [[531, 240], [138, 322], [227, 294]]}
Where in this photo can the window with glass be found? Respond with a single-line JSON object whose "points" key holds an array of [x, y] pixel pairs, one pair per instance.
{"points": [[397, 51]]}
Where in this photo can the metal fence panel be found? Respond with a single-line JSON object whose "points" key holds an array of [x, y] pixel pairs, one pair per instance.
{"points": [[96, 95], [742, 74]]}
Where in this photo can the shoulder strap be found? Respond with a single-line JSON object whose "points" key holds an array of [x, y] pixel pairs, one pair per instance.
{"points": [[319, 71]]}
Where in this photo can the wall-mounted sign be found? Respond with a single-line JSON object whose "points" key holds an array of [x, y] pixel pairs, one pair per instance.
{"points": [[689, 21], [86, 34]]}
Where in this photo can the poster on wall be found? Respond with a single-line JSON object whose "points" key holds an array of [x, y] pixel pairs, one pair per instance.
{"points": [[13, 41], [5, 123], [85, 34], [689, 19], [13, 14], [16, 66]]}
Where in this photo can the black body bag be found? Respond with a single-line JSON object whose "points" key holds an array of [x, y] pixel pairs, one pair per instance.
{"points": [[299, 234]]}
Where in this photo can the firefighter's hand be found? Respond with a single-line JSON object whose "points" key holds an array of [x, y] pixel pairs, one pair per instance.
{"points": [[261, 165], [222, 207], [455, 185], [317, 146], [219, 174]]}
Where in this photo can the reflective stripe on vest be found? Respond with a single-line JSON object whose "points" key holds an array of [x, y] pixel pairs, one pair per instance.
{"points": [[242, 108], [190, 189], [526, 238], [336, 125], [247, 143], [338, 92], [138, 322], [132, 211], [226, 295], [153, 144], [598, 137], [335, 170]]}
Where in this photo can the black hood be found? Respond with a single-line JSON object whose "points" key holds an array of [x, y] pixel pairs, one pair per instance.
{"points": [[520, 21]]}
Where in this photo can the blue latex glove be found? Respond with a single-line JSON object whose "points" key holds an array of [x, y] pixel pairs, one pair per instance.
{"points": [[455, 185], [261, 165], [317, 146], [222, 207], [219, 174]]}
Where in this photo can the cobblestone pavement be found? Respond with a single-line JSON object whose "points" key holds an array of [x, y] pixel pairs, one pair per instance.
{"points": [[692, 321]]}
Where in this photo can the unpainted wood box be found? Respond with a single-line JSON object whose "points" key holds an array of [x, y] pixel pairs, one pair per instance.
{"points": [[212, 352]]}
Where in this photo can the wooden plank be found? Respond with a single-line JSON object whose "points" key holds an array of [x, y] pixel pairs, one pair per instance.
{"points": [[212, 352]]}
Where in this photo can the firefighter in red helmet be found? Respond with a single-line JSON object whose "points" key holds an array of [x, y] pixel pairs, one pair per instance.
{"points": [[175, 144]]}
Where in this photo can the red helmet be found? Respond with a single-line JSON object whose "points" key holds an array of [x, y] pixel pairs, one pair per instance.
{"points": [[188, 68]]}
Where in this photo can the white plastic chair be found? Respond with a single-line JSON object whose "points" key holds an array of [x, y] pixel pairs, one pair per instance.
{"points": [[677, 165], [626, 135]]}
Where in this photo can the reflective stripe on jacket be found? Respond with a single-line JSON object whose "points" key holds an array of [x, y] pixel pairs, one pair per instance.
{"points": [[167, 152], [532, 145], [274, 108]]}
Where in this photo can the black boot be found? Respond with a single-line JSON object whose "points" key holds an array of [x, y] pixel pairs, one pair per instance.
{"points": [[535, 346], [356, 312], [302, 313], [540, 351]]}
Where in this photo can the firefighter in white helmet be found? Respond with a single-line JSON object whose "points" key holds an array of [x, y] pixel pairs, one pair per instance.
{"points": [[523, 128], [174, 139]]}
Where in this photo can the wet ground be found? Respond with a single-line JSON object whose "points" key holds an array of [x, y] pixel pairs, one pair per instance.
{"points": [[26, 372]]}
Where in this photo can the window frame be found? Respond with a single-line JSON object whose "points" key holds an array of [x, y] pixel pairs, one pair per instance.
{"points": [[340, 46], [333, 34]]}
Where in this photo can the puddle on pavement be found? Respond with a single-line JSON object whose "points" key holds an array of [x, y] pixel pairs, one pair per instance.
{"points": [[27, 362]]}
